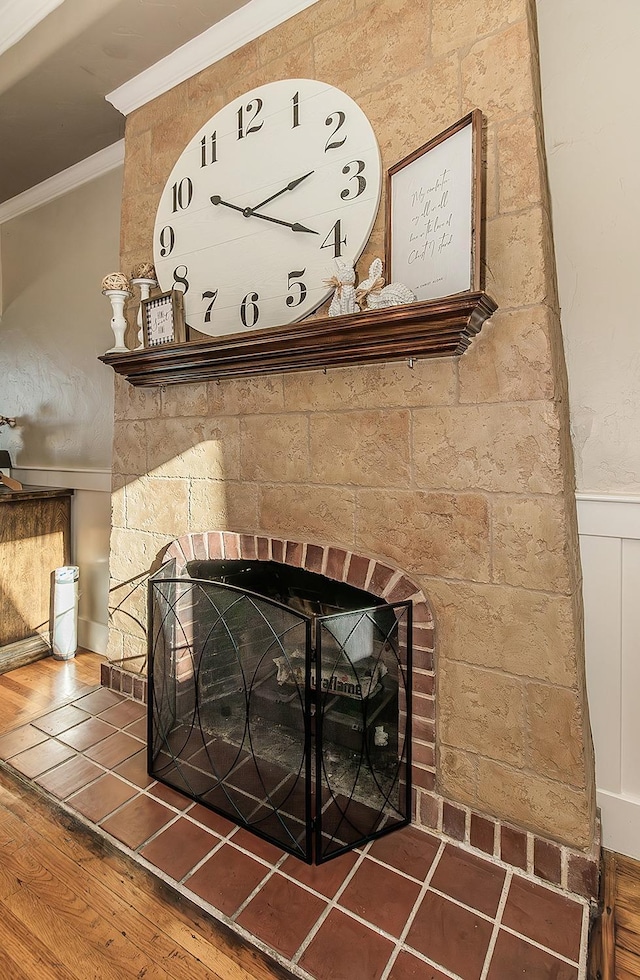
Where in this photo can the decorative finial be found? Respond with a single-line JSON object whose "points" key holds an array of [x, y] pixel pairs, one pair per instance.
{"points": [[144, 270], [115, 280]]}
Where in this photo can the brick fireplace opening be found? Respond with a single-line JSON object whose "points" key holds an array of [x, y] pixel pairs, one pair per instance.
{"points": [[280, 696]]}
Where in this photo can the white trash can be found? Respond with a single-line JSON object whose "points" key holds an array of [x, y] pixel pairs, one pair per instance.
{"points": [[64, 642]]}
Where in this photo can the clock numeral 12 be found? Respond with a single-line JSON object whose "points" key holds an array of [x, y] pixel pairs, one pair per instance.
{"points": [[249, 311], [212, 155], [291, 299], [182, 194], [334, 239], [253, 127], [296, 110]]}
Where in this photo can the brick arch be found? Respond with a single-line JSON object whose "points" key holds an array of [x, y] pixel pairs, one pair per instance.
{"points": [[363, 572]]}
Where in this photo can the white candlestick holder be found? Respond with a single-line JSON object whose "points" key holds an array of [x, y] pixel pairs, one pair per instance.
{"points": [[117, 297], [145, 286]]}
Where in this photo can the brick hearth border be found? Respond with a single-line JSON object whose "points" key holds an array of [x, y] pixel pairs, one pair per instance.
{"points": [[569, 869]]}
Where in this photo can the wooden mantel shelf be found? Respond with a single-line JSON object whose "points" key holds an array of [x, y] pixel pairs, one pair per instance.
{"points": [[437, 328]]}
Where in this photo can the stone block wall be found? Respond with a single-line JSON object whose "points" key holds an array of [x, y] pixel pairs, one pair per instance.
{"points": [[456, 471]]}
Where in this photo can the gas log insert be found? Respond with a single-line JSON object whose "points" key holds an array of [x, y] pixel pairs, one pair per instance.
{"points": [[281, 699]]}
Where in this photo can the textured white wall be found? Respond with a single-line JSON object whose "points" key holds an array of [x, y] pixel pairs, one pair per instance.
{"points": [[589, 86], [55, 323], [589, 65]]}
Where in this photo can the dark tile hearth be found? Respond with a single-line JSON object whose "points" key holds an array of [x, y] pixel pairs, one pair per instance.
{"points": [[41, 758], [469, 879], [102, 797], [381, 896], [138, 821], [178, 849], [344, 947], [407, 907], [513, 957], [61, 720], [113, 750], [281, 914], [86, 734], [451, 935], [227, 879]]}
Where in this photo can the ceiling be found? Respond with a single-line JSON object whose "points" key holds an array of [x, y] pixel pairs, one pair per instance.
{"points": [[54, 78]]}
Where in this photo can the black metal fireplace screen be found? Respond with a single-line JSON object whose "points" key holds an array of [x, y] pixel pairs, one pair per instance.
{"points": [[281, 699]]}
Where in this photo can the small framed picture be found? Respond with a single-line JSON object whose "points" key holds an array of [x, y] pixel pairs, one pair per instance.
{"points": [[163, 319], [434, 210]]}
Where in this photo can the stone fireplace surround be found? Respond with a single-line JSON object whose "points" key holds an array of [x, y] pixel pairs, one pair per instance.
{"points": [[572, 870], [456, 476]]}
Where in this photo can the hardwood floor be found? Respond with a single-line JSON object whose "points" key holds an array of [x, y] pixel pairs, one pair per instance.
{"points": [[71, 905], [621, 919], [615, 946], [74, 906], [626, 914], [30, 691]]}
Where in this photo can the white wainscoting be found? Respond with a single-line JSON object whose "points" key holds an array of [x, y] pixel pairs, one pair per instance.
{"points": [[90, 530], [610, 547]]}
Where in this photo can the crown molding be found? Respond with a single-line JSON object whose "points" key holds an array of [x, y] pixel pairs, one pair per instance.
{"points": [[21, 16], [244, 25], [67, 180]]}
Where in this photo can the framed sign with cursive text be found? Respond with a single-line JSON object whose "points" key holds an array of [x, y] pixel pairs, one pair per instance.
{"points": [[434, 213]]}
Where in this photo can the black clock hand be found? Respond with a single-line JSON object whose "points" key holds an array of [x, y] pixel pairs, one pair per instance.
{"points": [[290, 186], [216, 199], [295, 226], [250, 213]]}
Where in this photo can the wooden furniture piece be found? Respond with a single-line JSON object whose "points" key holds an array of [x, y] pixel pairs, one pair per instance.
{"points": [[435, 328], [35, 535]]}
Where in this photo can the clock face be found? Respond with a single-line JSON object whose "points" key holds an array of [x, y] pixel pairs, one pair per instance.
{"points": [[263, 199]]}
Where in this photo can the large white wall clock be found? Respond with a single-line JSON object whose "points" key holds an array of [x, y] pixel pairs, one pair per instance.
{"points": [[276, 186]]}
